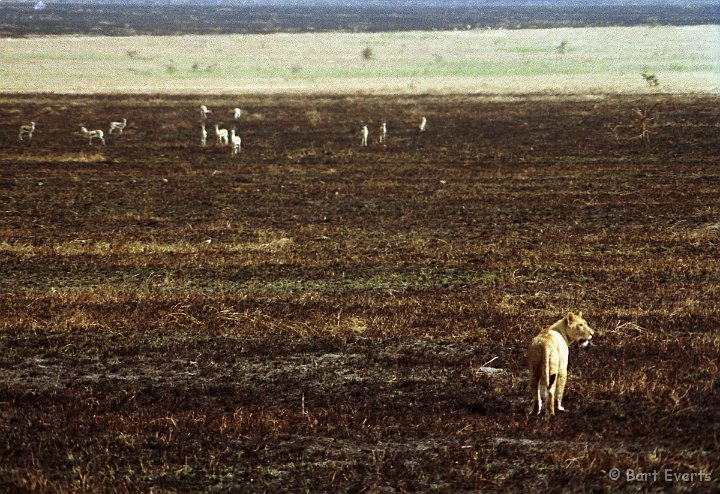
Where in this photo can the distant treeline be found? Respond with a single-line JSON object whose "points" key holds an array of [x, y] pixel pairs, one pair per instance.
{"points": [[24, 19], [385, 3]]}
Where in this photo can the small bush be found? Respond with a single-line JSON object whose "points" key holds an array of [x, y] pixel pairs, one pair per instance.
{"points": [[651, 79]]}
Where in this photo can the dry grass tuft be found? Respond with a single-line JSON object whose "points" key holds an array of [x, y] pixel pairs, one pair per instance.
{"points": [[268, 241], [78, 157]]}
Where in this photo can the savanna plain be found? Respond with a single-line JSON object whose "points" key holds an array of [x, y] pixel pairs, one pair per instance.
{"points": [[312, 315]]}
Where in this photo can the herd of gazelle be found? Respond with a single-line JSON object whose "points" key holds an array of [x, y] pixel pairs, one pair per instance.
{"points": [[100, 135], [382, 132], [223, 137], [27, 131]]}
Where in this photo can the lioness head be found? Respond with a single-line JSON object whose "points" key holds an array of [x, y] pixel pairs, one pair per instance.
{"points": [[578, 329]]}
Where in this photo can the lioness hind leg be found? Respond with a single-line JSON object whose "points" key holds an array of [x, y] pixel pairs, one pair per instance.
{"points": [[550, 400], [561, 380], [537, 403], [543, 395], [535, 392]]}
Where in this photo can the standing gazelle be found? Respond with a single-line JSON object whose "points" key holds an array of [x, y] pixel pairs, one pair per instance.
{"points": [[26, 130], [235, 141], [221, 136], [364, 134], [93, 134], [383, 132], [118, 126]]}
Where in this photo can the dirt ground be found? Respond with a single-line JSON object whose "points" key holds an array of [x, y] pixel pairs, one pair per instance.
{"points": [[312, 315]]}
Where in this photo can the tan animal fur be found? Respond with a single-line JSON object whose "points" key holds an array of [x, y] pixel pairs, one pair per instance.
{"points": [[548, 360]]}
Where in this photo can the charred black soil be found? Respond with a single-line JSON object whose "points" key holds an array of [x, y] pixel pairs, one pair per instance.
{"points": [[311, 315]]}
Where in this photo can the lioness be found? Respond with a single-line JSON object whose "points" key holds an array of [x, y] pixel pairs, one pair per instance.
{"points": [[548, 359]]}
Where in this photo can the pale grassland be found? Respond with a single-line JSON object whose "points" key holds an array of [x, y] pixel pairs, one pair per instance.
{"points": [[684, 59]]}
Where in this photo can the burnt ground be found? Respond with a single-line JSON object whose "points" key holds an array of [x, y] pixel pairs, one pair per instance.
{"points": [[313, 316], [111, 19]]}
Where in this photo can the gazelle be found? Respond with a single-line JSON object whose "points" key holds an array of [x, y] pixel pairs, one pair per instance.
{"points": [[92, 134], [364, 132], [236, 142], [26, 130], [118, 126], [221, 136]]}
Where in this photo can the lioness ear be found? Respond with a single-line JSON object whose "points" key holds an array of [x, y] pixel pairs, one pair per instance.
{"points": [[580, 314], [569, 318]]}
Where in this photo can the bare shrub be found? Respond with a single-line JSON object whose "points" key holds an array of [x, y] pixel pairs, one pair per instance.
{"points": [[643, 122], [651, 79]]}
